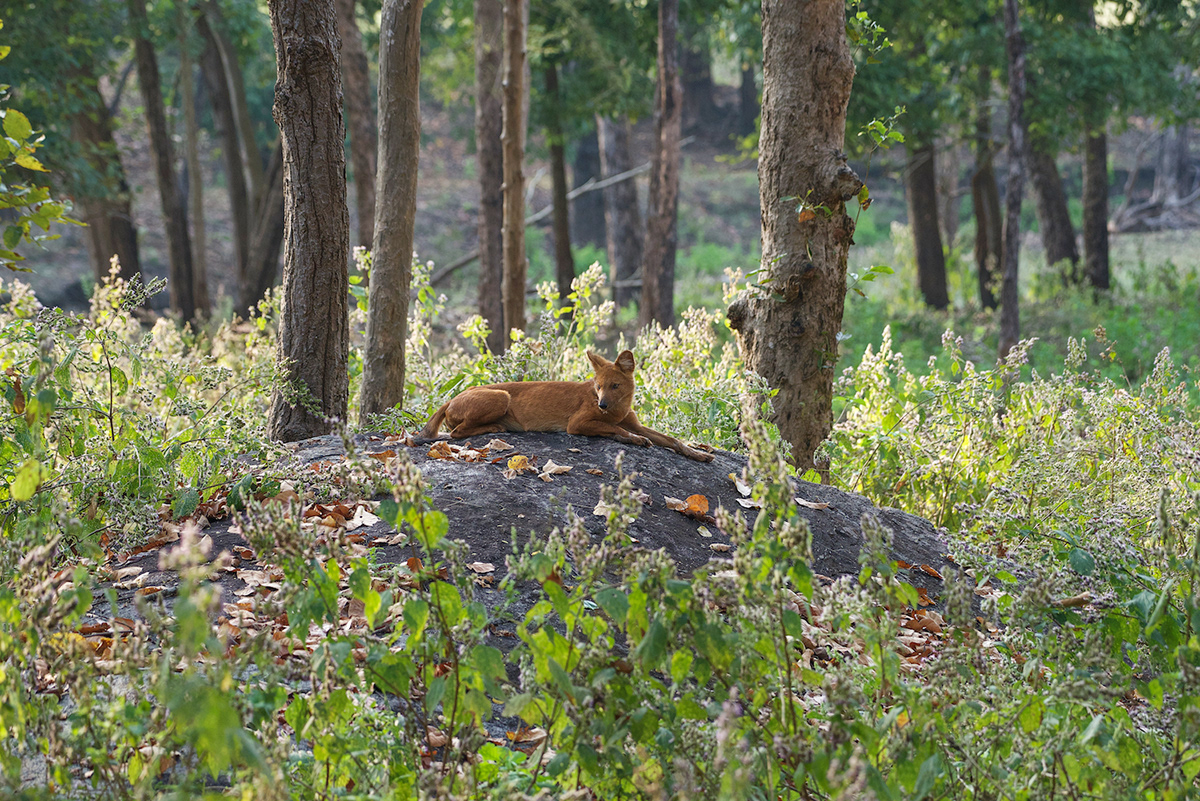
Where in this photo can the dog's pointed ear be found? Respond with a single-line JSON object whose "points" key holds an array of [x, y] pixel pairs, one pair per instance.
{"points": [[625, 362], [598, 362]]}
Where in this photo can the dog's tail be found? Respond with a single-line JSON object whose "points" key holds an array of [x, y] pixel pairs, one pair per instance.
{"points": [[430, 431]]}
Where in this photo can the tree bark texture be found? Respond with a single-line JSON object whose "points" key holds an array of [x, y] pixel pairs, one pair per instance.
{"points": [[588, 226], [788, 334], [699, 92], [356, 85], [183, 21], [1095, 207], [1058, 234], [564, 263], [658, 267], [1014, 48], [747, 101], [109, 218], [266, 236], [512, 138], [179, 248], [213, 68], [920, 181], [314, 330], [391, 263], [489, 51], [985, 201], [622, 216]]}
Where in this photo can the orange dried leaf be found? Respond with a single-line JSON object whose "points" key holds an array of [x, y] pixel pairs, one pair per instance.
{"points": [[697, 504]]}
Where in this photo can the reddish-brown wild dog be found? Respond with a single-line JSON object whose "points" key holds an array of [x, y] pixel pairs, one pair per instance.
{"points": [[602, 407]]}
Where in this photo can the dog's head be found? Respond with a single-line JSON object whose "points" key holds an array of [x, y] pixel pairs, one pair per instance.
{"points": [[613, 383]]}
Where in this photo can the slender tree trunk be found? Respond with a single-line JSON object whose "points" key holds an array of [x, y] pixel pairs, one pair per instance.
{"points": [[356, 84], [314, 329], [658, 270], [947, 190], [985, 200], [179, 248], [183, 14], [266, 237], [489, 50], [516, 264], [110, 230], [747, 101], [699, 91], [588, 226], [789, 333], [1058, 234], [1014, 47], [213, 69], [237, 90], [399, 149], [921, 191], [1095, 206], [564, 263], [623, 217], [1172, 168]]}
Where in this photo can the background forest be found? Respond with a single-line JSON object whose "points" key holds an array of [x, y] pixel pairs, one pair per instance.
{"points": [[985, 238]]}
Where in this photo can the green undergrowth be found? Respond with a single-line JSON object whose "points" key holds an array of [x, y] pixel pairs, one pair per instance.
{"points": [[1064, 661]]}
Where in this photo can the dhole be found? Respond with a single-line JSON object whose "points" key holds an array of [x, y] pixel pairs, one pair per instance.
{"points": [[601, 407]]}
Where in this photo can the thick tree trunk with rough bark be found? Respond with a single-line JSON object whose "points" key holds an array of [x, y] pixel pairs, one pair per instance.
{"points": [[564, 263], [920, 186], [1058, 234], [489, 50], [266, 236], [622, 216], [213, 68], [179, 248], [314, 329], [587, 211], [183, 21], [391, 263], [512, 138], [108, 215], [356, 85], [1095, 207], [1014, 190], [788, 332], [658, 261], [985, 201]]}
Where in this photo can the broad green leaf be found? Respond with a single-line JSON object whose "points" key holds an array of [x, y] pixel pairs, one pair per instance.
{"points": [[1081, 561], [27, 480], [30, 163], [17, 125]]}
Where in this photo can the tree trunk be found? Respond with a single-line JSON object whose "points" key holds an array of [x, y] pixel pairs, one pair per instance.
{"points": [[747, 101], [1014, 47], [356, 84], [314, 329], [564, 263], [258, 186], [921, 191], [1171, 172], [789, 333], [213, 68], [513, 143], [622, 216], [183, 14], [489, 50], [266, 237], [110, 230], [658, 270], [985, 201], [391, 264], [587, 211], [1058, 234], [1095, 206], [946, 166], [699, 92], [179, 248]]}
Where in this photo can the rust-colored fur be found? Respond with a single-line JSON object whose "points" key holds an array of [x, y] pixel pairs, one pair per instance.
{"points": [[601, 407]]}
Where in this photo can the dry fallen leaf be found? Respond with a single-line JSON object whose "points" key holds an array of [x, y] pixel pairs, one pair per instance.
{"points": [[1082, 599], [595, 472], [435, 738], [550, 468], [719, 547], [482, 567], [440, 450], [741, 485], [383, 456], [811, 504], [497, 445], [749, 503], [602, 509]]}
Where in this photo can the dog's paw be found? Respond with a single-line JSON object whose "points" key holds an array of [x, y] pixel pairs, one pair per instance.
{"points": [[699, 456], [640, 440]]}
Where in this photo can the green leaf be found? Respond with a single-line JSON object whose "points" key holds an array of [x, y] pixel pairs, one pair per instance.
{"points": [[614, 603], [681, 665], [653, 647], [931, 768], [1081, 561], [17, 125], [27, 480], [1031, 715], [186, 501], [30, 163], [12, 236]]}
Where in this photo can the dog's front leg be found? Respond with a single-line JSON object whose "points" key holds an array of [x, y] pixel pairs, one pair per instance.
{"points": [[663, 440], [599, 428]]}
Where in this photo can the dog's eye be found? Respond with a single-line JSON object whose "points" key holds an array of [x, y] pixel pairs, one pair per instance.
{"points": [[614, 386]]}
